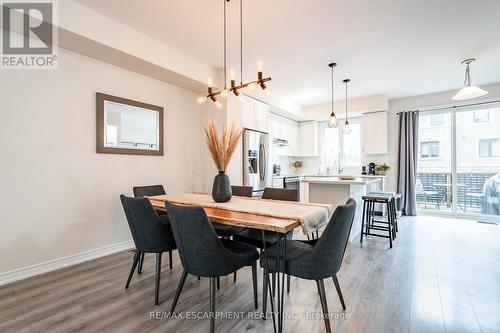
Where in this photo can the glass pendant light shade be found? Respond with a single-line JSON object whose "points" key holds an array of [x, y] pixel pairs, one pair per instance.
{"points": [[468, 92], [347, 128], [333, 121]]}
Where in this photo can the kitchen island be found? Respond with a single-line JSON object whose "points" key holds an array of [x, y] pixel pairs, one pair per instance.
{"points": [[336, 191]]}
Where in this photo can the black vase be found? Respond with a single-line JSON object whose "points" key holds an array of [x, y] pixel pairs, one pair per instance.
{"points": [[221, 190]]}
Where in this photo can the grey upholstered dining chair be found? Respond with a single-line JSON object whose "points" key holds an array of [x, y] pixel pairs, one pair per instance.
{"points": [[317, 259], [149, 233], [254, 237], [242, 191], [204, 254], [149, 191], [283, 194]]}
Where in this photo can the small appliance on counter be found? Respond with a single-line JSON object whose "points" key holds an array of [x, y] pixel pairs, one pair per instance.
{"points": [[371, 168], [363, 170], [276, 169]]}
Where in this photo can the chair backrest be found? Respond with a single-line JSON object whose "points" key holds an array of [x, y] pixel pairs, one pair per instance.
{"points": [[149, 234], [200, 250], [283, 194], [328, 252], [242, 191], [148, 191]]}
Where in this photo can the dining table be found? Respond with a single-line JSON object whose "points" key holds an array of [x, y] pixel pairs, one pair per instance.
{"points": [[280, 217]]}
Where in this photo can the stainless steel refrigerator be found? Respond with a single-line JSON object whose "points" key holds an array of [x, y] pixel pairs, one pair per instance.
{"points": [[257, 170]]}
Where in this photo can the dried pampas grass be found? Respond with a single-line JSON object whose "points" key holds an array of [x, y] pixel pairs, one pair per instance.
{"points": [[222, 147]]}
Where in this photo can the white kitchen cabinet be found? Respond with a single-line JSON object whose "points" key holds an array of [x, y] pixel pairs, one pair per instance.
{"points": [[308, 138], [255, 115], [284, 129], [374, 137]]}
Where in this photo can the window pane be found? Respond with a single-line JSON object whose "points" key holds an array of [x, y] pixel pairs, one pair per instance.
{"points": [[436, 120], [495, 148], [483, 148], [478, 161], [352, 146], [481, 116], [330, 146]]}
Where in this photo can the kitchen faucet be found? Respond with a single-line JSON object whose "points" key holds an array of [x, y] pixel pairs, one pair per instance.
{"points": [[337, 162]]}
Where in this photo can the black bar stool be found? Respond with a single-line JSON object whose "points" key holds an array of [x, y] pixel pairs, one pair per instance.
{"points": [[369, 222], [395, 212]]}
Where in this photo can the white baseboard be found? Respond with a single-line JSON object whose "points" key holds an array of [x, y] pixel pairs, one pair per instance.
{"points": [[52, 265]]}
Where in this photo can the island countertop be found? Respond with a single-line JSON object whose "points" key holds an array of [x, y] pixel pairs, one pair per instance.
{"points": [[338, 181]]}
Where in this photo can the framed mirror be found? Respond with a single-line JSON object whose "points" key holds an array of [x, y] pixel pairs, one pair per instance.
{"points": [[129, 127]]}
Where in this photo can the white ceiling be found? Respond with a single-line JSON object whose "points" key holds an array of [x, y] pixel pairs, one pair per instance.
{"points": [[394, 47]]}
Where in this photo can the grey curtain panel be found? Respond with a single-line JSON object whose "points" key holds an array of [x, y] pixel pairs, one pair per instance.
{"points": [[407, 165]]}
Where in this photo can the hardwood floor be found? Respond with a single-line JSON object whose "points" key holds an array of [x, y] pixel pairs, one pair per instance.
{"points": [[442, 275]]}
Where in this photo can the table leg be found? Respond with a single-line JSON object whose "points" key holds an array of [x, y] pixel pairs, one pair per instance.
{"points": [[268, 288]]}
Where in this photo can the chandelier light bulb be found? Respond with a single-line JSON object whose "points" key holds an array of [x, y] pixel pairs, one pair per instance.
{"points": [[259, 66]]}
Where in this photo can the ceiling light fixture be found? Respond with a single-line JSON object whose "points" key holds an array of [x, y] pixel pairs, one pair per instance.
{"points": [[347, 126], [469, 91], [332, 120], [235, 89]]}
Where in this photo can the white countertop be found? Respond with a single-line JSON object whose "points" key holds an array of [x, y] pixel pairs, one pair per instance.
{"points": [[338, 181]]}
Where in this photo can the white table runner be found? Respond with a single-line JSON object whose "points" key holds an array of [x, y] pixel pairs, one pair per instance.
{"points": [[310, 216]]}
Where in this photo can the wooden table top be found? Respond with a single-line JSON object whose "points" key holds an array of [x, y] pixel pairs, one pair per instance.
{"points": [[239, 219]]}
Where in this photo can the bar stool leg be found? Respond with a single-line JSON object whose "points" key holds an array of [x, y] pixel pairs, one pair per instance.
{"points": [[389, 225], [363, 222]]}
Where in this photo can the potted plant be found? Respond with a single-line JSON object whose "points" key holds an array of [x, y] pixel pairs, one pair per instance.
{"points": [[297, 165], [382, 169], [221, 149]]}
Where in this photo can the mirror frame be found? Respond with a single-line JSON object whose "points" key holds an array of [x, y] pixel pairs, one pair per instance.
{"points": [[102, 149]]}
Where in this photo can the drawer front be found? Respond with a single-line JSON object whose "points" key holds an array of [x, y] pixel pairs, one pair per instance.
{"points": [[278, 183]]}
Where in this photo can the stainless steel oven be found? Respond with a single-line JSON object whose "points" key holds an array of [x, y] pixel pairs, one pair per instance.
{"points": [[293, 183]]}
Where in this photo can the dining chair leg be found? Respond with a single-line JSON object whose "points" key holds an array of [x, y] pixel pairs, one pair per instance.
{"points": [[141, 261], [157, 279], [132, 270], [265, 282], [212, 305], [339, 292], [324, 304], [254, 281], [179, 290], [170, 258], [218, 283], [234, 276], [287, 283]]}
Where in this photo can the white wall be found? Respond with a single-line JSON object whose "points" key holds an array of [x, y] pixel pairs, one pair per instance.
{"points": [[58, 196]]}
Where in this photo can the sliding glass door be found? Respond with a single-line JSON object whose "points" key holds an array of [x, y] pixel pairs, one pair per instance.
{"points": [[459, 161]]}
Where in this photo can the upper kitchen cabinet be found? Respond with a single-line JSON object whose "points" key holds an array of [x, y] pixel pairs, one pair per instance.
{"points": [[255, 115], [286, 133], [308, 138], [374, 127]]}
